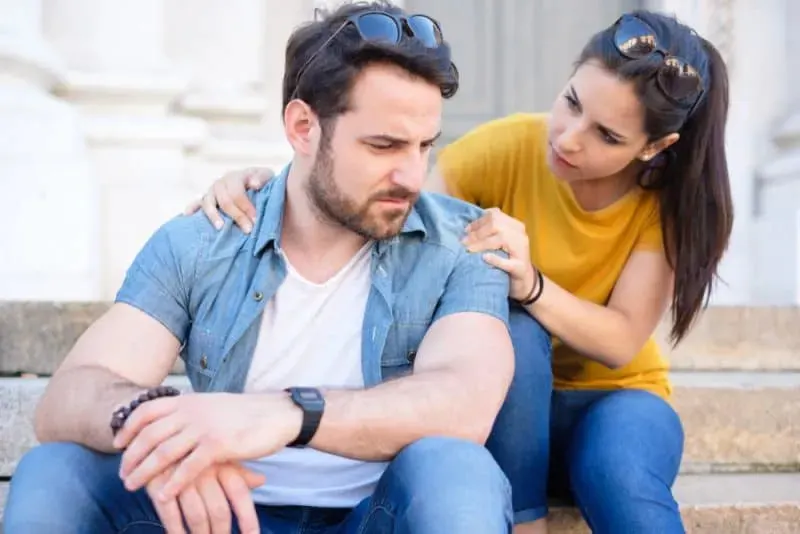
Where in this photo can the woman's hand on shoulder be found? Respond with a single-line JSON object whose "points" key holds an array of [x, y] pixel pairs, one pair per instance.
{"points": [[497, 231], [229, 194]]}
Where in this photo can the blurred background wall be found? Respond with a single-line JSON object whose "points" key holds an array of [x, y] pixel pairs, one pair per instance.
{"points": [[114, 114]]}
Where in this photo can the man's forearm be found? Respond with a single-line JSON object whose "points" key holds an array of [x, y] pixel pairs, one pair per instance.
{"points": [[375, 424], [78, 404]]}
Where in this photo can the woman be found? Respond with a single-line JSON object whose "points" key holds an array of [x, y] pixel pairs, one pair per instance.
{"points": [[612, 207]]}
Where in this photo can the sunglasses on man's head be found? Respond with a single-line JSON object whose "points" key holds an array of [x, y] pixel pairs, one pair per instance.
{"points": [[677, 79], [383, 27]]}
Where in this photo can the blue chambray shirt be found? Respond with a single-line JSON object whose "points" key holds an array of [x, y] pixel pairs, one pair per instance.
{"points": [[209, 287]]}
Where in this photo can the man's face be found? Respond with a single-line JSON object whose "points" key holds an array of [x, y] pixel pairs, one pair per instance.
{"points": [[371, 162]]}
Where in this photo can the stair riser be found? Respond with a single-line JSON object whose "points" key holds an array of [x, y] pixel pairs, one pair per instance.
{"points": [[35, 336], [730, 428]]}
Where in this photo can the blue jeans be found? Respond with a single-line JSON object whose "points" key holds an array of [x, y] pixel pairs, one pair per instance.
{"points": [[613, 453], [433, 486]]}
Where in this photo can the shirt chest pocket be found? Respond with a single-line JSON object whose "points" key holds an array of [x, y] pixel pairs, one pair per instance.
{"points": [[402, 345], [202, 355]]}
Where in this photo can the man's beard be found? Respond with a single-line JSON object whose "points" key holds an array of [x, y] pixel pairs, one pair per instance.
{"points": [[335, 206]]}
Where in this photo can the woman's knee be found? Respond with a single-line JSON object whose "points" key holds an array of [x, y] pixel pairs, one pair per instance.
{"points": [[627, 443], [527, 334], [533, 375]]}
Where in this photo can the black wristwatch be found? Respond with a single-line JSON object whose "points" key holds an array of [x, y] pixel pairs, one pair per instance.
{"points": [[311, 401]]}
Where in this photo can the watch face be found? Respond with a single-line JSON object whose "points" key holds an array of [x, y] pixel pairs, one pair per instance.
{"points": [[308, 397]]}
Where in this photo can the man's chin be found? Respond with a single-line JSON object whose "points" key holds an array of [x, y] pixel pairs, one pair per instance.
{"points": [[383, 228]]}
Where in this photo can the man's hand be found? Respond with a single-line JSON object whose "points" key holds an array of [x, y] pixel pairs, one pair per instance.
{"points": [[192, 432], [206, 504]]}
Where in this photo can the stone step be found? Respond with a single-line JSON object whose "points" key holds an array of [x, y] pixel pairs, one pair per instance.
{"points": [[720, 504], [710, 504], [733, 422], [35, 336], [738, 338]]}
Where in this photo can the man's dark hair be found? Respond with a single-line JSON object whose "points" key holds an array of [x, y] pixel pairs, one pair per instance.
{"points": [[327, 80]]}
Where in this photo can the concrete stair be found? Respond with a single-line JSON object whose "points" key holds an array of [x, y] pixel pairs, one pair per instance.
{"points": [[737, 389]]}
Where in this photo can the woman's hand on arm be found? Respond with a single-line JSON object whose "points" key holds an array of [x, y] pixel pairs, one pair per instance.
{"points": [[611, 334]]}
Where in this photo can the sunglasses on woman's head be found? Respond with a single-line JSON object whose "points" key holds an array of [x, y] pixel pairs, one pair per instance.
{"points": [[676, 78]]}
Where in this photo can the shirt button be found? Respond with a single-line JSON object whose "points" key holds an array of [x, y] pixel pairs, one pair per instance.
{"points": [[258, 296], [203, 362]]}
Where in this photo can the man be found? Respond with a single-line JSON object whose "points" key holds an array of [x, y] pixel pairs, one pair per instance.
{"points": [[347, 357]]}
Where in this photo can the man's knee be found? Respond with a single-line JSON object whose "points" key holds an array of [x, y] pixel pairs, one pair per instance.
{"points": [[462, 488], [56, 461], [458, 464], [55, 483]]}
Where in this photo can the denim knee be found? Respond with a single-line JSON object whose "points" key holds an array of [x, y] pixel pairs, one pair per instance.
{"points": [[520, 438], [55, 488], [449, 482], [624, 457]]}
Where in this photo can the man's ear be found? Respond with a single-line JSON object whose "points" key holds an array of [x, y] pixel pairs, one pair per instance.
{"points": [[301, 126], [656, 147]]}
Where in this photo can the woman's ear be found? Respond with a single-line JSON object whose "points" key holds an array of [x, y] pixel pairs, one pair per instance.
{"points": [[656, 147]]}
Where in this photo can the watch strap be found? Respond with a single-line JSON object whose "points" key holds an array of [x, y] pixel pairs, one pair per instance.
{"points": [[312, 414]]}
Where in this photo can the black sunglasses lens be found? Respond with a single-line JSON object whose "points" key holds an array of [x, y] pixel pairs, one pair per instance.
{"points": [[378, 27], [425, 30], [634, 39], [678, 79]]}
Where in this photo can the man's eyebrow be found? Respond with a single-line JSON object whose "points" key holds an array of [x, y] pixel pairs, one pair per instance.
{"points": [[390, 139], [433, 139], [601, 127]]}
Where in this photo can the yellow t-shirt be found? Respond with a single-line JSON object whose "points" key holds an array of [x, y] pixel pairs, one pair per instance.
{"points": [[503, 164]]}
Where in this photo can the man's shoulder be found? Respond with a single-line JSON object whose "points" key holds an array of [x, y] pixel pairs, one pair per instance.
{"points": [[185, 232], [445, 218]]}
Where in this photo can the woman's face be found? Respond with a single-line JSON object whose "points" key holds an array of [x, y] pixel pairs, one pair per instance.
{"points": [[596, 126]]}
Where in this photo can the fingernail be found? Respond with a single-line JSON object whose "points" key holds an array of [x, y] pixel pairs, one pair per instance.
{"points": [[218, 225], [247, 228]]}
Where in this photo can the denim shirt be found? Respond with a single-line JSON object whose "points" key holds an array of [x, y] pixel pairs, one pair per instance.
{"points": [[209, 286]]}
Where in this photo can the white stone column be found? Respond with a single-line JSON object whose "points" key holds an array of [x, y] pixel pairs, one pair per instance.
{"points": [[121, 80], [232, 54], [751, 37], [49, 243], [778, 186]]}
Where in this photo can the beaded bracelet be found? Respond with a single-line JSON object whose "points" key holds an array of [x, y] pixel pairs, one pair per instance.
{"points": [[122, 413]]}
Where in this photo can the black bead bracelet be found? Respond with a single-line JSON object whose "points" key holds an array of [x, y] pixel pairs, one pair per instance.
{"points": [[122, 413]]}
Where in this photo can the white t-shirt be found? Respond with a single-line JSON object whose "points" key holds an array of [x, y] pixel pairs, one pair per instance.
{"points": [[311, 336]]}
